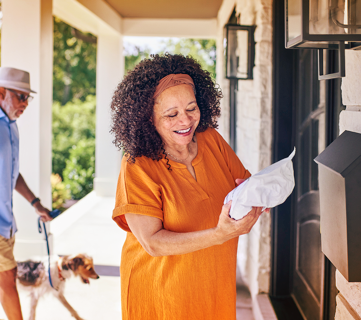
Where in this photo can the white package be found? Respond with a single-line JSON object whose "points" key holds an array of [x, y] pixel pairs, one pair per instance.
{"points": [[268, 188]]}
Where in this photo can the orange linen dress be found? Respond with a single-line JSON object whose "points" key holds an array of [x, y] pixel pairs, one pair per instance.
{"points": [[199, 285]]}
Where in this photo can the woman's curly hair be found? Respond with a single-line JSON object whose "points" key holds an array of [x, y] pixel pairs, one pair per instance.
{"points": [[132, 103]]}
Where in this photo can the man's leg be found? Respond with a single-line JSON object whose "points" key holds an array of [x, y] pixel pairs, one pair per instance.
{"points": [[9, 296]]}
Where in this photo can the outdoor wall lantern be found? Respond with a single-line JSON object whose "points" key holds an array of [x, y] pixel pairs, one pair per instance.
{"points": [[340, 204], [239, 51], [323, 24]]}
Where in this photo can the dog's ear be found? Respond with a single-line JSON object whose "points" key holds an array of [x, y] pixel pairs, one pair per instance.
{"points": [[75, 263]]}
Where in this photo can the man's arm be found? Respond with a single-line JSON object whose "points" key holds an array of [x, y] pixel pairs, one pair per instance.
{"points": [[24, 190]]}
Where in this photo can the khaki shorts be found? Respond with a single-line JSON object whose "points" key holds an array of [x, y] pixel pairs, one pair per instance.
{"points": [[7, 260]]}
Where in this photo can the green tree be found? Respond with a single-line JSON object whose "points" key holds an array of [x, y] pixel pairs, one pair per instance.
{"points": [[203, 50], [72, 123], [133, 55], [80, 168], [74, 68]]}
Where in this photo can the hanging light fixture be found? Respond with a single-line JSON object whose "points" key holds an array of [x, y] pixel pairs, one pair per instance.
{"points": [[323, 24], [239, 51]]}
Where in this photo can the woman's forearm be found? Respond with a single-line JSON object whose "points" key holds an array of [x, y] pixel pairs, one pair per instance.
{"points": [[158, 241], [165, 243]]}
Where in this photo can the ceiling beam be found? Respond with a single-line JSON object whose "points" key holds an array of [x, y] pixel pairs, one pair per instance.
{"points": [[88, 15], [182, 28]]}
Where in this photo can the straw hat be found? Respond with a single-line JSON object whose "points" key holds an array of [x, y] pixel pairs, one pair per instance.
{"points": [[16, 79]]}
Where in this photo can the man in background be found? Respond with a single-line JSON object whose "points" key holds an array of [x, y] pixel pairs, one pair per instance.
{"points": [[14, 98]]}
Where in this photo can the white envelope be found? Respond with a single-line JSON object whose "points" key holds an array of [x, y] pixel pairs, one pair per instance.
{"points": [[268, 188]]}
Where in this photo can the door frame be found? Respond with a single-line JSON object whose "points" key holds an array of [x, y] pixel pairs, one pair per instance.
{"points": [[282, 233]]}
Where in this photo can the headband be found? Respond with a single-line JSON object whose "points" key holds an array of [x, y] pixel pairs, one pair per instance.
{"points": [[172, 80]]}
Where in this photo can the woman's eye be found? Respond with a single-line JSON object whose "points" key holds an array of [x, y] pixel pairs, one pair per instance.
{"points": [[172, 115], [192, 109]]}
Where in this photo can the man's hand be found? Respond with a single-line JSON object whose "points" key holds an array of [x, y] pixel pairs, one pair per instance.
{"points": [[42, 212], [24, 190]]}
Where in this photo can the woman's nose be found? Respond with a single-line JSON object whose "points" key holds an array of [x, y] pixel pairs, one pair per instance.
{"points": [[185, 118]]}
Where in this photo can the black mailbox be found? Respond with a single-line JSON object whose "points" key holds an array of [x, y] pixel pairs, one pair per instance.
{"points": [[340, 204]]}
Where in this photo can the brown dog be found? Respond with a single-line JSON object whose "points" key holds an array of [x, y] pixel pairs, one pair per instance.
{"points": [[34, 277]]}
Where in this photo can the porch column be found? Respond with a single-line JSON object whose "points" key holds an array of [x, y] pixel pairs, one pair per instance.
{"points": [[27, 43], [110, 70]]}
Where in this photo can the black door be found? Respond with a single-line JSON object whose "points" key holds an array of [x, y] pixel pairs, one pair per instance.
{"points": [[310, 141], [306, 116]]}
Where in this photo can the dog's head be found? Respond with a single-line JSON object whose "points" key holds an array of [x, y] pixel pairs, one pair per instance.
{"points": [[82, 266]]}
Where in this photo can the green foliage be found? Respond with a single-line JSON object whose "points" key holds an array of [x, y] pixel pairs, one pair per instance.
{"points": [[203, 50], [74, 68], [80, 168], [59, 192], [132, 56], [71, 123]]}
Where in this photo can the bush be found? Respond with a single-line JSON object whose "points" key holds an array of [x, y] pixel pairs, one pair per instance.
{"points": [[73, 128], [80, 168], [59, 192], [72, 122]]}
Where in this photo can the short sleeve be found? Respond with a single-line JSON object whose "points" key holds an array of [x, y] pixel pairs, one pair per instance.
{"points": [[136, 192], [235, 165]]}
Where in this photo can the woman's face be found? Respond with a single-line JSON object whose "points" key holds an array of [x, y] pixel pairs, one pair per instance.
{"points": [[176, 115]]}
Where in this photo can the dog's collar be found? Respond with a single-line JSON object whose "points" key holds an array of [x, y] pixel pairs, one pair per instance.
{"points": [[61, 278]]}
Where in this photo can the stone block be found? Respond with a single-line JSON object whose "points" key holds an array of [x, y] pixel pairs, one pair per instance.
{"points": [[263, 32], [245, 85], [263, 280], [251, 107], [343, 310], [264, 3], [351, 291], [266, 108], [262, 81], [350, 120], [351, 83], [263, 53], [265, 144], [264, 15]]}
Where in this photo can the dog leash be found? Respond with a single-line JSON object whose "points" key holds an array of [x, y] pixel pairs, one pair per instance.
{"points": [[48, 248]]}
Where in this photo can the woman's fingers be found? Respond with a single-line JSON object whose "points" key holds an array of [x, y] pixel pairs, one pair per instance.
{"points": [[226, 208], [239, 181], [229, 228], [248, 221]]}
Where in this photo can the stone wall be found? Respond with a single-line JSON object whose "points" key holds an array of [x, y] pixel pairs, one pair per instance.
{"points": [[254, 129], [349, 298]]}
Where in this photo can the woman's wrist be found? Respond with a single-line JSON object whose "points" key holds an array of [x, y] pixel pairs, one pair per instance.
{"points": [[218, 236]]}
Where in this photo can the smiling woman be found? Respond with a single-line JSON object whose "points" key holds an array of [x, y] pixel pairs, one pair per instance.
{"points": [[179, 258]]}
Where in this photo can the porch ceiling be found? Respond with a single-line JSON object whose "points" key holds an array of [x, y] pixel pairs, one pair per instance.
{"points": [[166, 9]]}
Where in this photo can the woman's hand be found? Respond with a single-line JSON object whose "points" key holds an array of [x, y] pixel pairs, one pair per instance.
{"points": [[228, 228]]}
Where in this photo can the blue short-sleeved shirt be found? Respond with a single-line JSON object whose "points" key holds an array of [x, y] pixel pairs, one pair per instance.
{"points": [[9, 172]]}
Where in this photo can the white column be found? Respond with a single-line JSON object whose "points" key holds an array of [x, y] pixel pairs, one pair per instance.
{"points": [[110, 70], [27, 43]]}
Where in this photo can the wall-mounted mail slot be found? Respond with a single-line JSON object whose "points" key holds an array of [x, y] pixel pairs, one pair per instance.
{"points": [[340, 204]]}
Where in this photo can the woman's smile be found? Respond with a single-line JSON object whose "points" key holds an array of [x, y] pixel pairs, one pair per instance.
{"points": [[184, 132]]}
